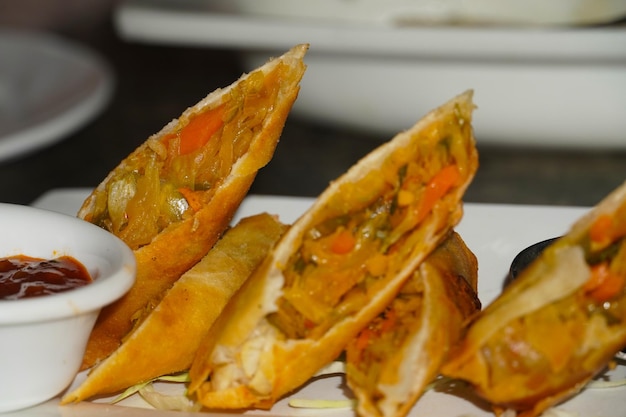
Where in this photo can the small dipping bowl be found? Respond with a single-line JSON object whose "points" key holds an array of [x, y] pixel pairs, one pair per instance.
{"points": [[43, 339]]}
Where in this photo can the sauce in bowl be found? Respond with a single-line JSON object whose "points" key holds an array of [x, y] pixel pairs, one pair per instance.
{"points": [[25, 277]]}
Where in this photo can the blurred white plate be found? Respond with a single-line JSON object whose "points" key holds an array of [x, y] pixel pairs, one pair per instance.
{"points": [[494, 232], [562, 87], [494, 12], [49, 87]]}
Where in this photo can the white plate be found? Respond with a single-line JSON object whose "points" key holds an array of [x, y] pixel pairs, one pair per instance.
{"points": [[49, 87], [556, 87], [495, 233], [494, 12]]}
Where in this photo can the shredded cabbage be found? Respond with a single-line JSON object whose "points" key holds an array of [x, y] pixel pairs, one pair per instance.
{"points": [[181, 377], [555, 412], [599, 384], [614, 376], [318, 404], [333, 368], [336, 367], [162, 401]]}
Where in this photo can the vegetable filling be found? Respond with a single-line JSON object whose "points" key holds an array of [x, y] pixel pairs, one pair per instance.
{"points": [[347, 256], [184, 167]]}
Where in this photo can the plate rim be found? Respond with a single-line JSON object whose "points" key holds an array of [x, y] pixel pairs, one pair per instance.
{"points": [[430, 403], [202, 24], [69, 118]]}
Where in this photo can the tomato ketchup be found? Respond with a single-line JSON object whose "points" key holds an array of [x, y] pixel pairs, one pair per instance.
{"points": [[25, 277]]}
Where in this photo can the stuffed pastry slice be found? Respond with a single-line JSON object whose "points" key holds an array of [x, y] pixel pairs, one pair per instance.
{"points": [[172, 198], [558, 324], [340, 264], [167, 340], [394, 358]]}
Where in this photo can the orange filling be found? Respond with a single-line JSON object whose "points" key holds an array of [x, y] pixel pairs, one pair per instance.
{"points": [[170, 179]]}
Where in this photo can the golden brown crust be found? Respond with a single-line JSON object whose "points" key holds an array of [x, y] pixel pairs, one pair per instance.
{"points": [[399, 353], [225, 375], [180, 244], [168, 338], [550, 332]]}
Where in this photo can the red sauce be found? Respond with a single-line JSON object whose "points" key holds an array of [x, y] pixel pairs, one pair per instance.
{"points": [[24, 277]]}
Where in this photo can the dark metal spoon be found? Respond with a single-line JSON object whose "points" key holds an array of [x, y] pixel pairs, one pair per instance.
{"points": [[525, 257]]}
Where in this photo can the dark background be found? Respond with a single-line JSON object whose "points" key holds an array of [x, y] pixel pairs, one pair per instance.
{"points": [[154, 84]]}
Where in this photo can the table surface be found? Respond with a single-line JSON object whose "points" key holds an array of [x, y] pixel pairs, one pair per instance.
{"points": [[154, 84]]}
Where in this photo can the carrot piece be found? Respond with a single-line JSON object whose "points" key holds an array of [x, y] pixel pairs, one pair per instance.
{"points": [[601, 228], [436, 188], [389, 321], [363, 339], [598, 275], [192, 197], [200, 129], [343, 242], [603, 283]]}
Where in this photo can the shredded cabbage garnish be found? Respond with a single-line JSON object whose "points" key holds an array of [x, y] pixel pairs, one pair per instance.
{"points": [[336, 367], [333, 368], [162, 401], [317, 404], [555, 412], [614, 376], [181, 377], [550, 412], [599, 384]]}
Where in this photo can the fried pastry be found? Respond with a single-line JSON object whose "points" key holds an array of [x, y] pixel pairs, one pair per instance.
{"points": [[558, 324], [340, 264], [394, 358], [173, 197]]}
